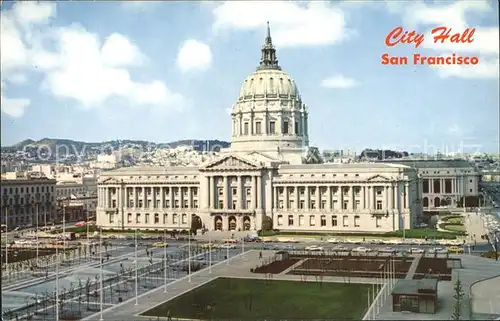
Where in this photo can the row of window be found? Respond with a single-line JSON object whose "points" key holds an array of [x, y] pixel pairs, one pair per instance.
{"points": [[323, 204], [323, 190], [156, 191], [436, 186], [157, 204], [38, 189], [30, 210], [334, 221], [285, 128], [166, 219], [29, 202]]}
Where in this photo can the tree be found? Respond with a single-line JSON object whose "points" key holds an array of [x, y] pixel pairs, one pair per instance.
{"points": [[267, 223], [458, 295], [196, 223]]}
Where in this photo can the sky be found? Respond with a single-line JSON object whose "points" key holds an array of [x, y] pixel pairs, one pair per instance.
{"points": [[164, 71]]}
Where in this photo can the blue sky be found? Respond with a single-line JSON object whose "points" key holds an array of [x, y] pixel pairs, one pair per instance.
{"points": [[164, 71]]}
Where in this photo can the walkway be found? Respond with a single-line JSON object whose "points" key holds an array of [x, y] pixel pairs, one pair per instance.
{"points": [[413, 267], [238, 267]]}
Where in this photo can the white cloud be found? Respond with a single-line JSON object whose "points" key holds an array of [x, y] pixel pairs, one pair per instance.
{"points": [[194, 55], [80, 68], [454, 15], [293, 23], [339, 82], [139, 5], [13, 107]]}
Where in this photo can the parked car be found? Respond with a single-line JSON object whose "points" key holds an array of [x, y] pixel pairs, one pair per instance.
{"points": [[455, 250], [314, 248], [333, 241], [228, 246], [160, 244], [361, 249], [438, 250], [416, 250], [387, 249], [209, 246]]}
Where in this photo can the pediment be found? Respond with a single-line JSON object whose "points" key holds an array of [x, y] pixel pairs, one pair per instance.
{"points": [[261, 157], [378, 178], [231, 162]]}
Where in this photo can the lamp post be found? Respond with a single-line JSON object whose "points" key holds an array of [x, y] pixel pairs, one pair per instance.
{"points": [[6, 209], [136, 276], [88, 230], [165, 259], [100, 271]]}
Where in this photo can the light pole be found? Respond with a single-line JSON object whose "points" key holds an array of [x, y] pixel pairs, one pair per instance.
{"points": [[100, 269], [136, 276], [165, 259], [88, 230], [189, 256], [36, 230], [6, 207], [209, 254]]}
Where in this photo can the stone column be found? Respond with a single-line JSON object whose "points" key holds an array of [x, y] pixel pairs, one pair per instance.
{"points": [[353, 197], [318, 197], [211, 188], [307, 198], [297, 198], [341, 198], [238, 192], [190, 200], [407, 196], [259, 192], [329, 198], [391, 197], [286, 197], [254, 192], [171, 197], [226, 192], [162, 197]]}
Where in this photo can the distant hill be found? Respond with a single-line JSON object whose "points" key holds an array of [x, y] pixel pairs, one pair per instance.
{"points": [[47, 148]]}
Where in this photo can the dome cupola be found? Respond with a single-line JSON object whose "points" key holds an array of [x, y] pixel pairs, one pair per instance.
{"points": [[269, 115]]}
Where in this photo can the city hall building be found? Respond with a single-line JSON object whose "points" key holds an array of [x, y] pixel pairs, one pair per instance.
{"points": [[269, 170]]}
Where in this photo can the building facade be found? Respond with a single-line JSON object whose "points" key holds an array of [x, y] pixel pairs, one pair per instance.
{"points": [[23, 199], [445, 183], [267, 171]]}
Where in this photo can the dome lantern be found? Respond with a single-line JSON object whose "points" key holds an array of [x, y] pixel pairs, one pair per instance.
{"points": [[268, 58]]}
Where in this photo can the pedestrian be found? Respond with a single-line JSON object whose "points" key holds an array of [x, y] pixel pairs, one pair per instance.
{"points": [[260, 255], [169, 317]]}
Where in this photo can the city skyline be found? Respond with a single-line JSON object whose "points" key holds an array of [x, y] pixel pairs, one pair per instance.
{"points": [[147, 73]]}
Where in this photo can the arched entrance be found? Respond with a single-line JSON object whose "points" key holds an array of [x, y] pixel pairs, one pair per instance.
{"points": [[449, 201], [218, 223], [232, 223], [426, 202], [437, 202], [246, 223]]}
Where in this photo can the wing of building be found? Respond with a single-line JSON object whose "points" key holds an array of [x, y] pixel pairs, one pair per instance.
{"points": [[269, 170]]}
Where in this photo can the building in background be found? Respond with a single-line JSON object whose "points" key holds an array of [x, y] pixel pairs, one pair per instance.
{"points": [[24, 195], [268, 173]]}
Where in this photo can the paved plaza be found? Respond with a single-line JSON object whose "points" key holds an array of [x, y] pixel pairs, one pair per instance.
{"points": [[80, 284]]}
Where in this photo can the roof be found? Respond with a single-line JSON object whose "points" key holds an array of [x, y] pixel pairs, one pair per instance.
{"points": [[359, 166], [418, 163], [422, 286]]}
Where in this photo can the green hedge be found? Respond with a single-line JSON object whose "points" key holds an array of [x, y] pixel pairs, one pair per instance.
{"points": [[419, 233], [450, 217]]}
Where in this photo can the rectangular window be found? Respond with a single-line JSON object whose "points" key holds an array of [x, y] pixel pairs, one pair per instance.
{"points": [[138, 218], [147, 219], [258, 128], [313, 205], [296, 128], [221, 204], [165, 218], [272, 127], [312, 220], [280, 220], [301, 205], [346, 204], [129, 218], [157, 218], [357, 204], [285, 127], [323, 220], [345, 221], [379, 205], [301, 220], [334, 220], [234, 205], [290, 220], [245, 129], [356, 221]]}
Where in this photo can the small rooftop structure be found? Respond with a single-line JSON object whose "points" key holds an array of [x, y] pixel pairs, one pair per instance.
{"points": [[417, 296]]}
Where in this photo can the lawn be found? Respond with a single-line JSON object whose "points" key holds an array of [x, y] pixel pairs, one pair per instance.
{"points": [[226, 298]]}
